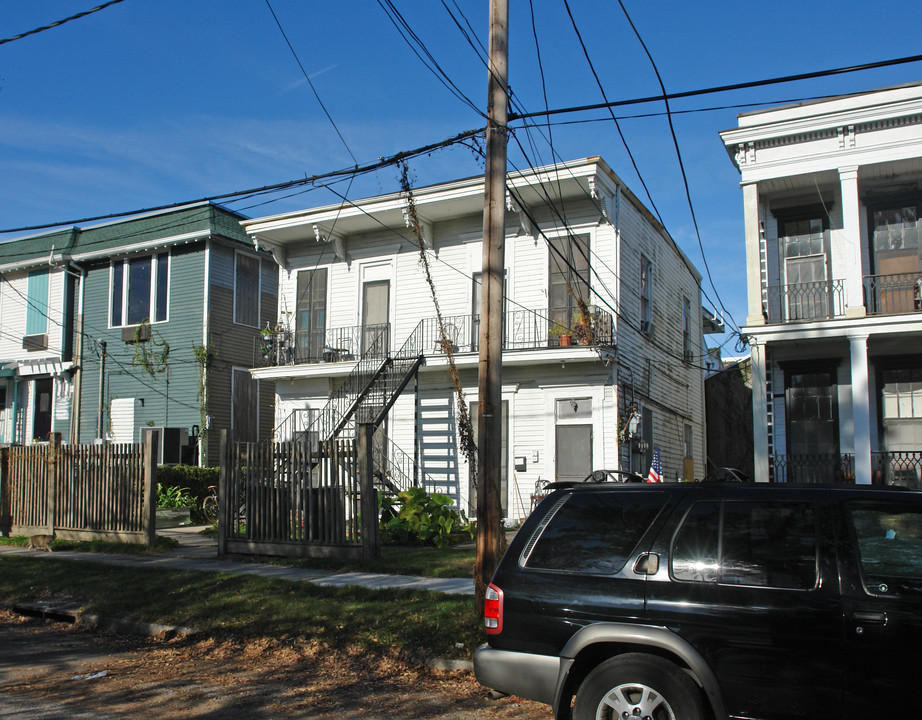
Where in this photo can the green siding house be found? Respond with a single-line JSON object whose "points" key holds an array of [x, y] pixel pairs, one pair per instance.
{"points": [[167, 308]]}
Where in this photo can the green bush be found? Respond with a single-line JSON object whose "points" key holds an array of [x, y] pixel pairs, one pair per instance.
{"points": [[196, 479], [416, 517], [174, 497]]}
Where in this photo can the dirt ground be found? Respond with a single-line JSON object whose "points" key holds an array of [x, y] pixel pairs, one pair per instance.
{"points": [[44, 664]]}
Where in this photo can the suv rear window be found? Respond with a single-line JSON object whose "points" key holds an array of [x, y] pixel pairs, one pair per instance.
{"points": [[889, 539], [761, 544], [593, 532]]}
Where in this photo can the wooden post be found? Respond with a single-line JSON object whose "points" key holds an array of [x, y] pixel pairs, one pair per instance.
{"points": [[490, 399], [225, 474], [52, 456], [371, 540], [6, 516], [149, 506]]}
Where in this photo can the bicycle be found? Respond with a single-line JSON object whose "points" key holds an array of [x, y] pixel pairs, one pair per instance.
{"points": [[210, 505]]}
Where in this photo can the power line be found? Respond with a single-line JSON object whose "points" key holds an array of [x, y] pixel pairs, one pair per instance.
{"points": [[311, 84], [383, 162], [60, 22], [678, 152], [722, 88]]}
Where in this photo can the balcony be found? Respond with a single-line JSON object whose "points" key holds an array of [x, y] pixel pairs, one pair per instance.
{"points": [[893, 294], [806, 302], [283, 347], [522, 330]]}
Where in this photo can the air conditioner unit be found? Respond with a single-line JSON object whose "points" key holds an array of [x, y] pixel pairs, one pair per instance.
{"points": [[169, 443]]}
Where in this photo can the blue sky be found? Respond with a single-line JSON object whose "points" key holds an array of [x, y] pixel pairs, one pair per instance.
{"points": [[153, 102]]}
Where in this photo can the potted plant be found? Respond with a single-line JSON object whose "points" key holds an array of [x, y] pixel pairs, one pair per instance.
{"points": [[563, 334]]}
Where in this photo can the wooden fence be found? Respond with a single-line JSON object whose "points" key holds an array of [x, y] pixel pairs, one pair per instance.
{"points": [[79, 492], [289, 499]]}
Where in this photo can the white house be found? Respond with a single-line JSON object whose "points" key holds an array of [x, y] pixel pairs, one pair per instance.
{"points": [[355, 304], [37, 305], [832, 192]]}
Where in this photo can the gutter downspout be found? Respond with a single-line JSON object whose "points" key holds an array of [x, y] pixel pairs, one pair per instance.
{"points": [[78, 354]]}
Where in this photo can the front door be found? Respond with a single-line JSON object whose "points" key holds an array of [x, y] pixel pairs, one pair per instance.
{"points": [[41, 410], [812, 428], [375, 316]]}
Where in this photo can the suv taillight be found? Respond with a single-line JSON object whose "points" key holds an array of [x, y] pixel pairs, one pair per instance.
{"points": [[493, 610]]}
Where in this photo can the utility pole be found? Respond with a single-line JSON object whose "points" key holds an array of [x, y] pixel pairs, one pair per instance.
{"points": [[100, 424], [490, 396]]}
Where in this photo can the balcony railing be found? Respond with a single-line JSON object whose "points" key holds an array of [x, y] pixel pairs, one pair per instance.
{"points": [[342, 344], [893, 294], [522, 330], [902, 468], [887, 468], [806, 302], [816, 468]]}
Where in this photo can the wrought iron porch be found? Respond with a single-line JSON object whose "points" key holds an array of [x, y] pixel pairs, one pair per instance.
{"points": [[893, 294], [806, 302]]}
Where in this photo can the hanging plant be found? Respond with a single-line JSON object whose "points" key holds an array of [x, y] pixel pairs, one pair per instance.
{"points": [[151, 351]]}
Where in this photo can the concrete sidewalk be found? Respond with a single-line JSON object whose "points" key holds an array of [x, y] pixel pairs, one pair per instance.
{"points": [[197, 552]]}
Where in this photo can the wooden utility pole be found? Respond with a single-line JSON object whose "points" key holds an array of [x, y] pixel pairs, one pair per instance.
{"points": [[490, 397]]}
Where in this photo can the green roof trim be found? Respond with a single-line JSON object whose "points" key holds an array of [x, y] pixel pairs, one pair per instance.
{"points": [[202, 219]]}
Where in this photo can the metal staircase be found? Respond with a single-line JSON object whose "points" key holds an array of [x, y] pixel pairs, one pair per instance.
{"points": [[366, 396]]}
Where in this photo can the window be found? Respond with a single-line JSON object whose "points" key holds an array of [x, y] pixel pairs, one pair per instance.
{"points": [[246, 290], [311, 316], [646, 295], [804, 249], [140, 290], [687, 350], [889, 539], [37, 305], [568, 277], [758, 544], [594, 532], [897, 259]]}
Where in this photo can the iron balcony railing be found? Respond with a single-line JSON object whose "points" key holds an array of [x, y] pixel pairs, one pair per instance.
{"points": [[893, 294], [814, 468], [343, 344], [806, 302], [522, 330], [902, 467]]}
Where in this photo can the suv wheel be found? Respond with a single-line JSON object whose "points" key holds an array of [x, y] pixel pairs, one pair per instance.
{"points": [[638, 686]]}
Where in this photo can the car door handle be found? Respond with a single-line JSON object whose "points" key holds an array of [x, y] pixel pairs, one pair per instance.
{"points": [[870, 618]]}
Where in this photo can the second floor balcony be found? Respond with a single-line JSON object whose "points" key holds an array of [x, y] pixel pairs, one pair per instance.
{"points": [[522, 330], [884, 294]]}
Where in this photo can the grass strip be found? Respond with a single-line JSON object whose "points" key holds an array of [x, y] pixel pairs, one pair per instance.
{"points": [[421, 624]]}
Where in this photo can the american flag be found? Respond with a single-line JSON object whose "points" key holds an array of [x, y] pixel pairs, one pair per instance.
{"points": [[656, 468]]}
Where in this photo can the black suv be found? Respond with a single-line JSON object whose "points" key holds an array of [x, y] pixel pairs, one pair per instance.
{"points": [[711, 600]]}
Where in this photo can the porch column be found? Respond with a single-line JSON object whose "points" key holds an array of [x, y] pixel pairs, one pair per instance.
{"points": [[848, 250], [861, 406], [754, 314], [759, 412]]}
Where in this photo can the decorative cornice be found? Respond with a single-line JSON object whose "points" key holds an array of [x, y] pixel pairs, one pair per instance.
{"points": [[606, 200], [337, 241], [525, 223], [425, 227]]}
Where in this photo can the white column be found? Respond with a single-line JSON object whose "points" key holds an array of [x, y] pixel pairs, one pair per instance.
{"points": [[861, 406], [754, 315], [847, 252], [759, 412]]}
